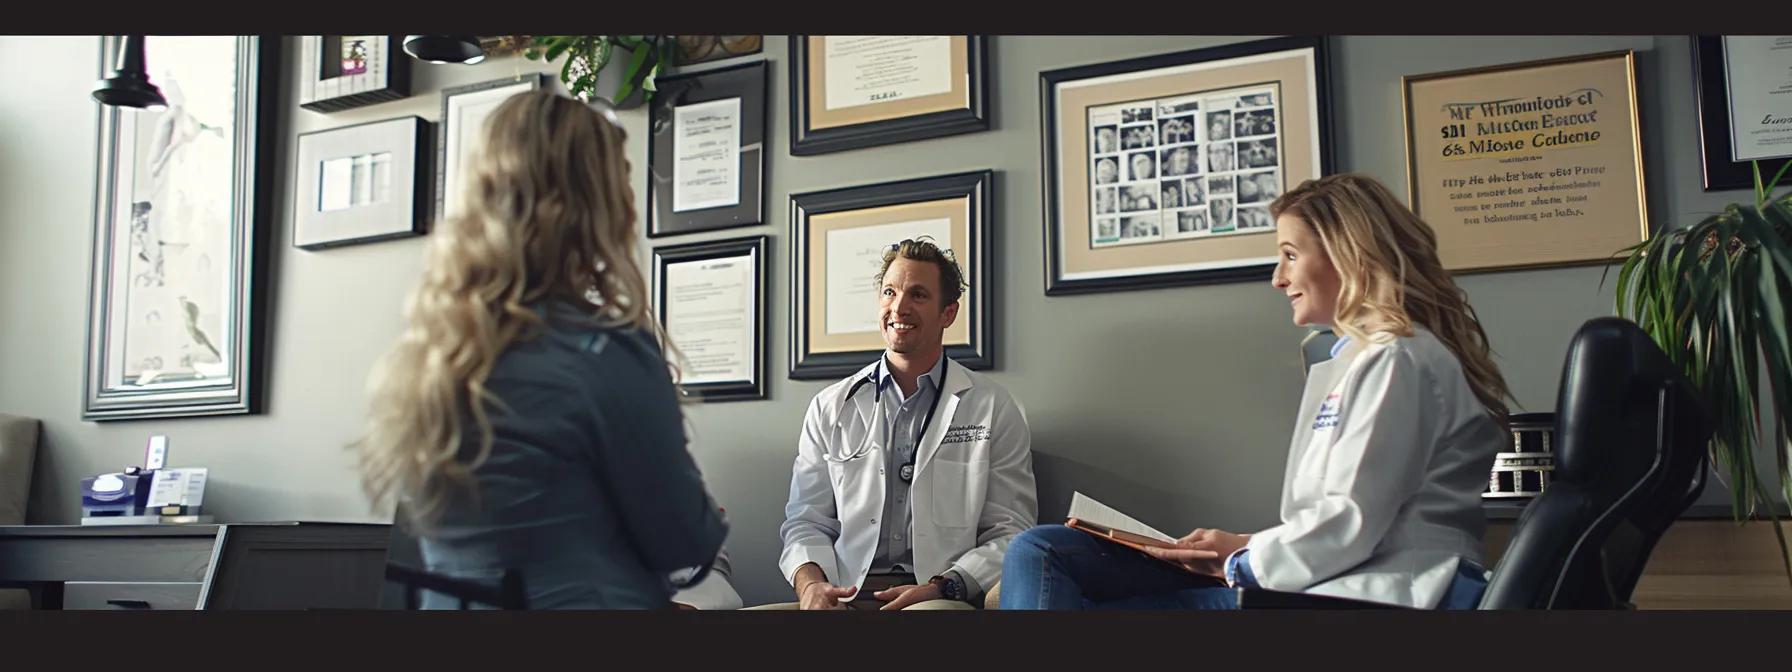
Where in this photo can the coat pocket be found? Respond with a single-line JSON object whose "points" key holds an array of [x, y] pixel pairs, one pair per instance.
{"points": [[958, 490]]}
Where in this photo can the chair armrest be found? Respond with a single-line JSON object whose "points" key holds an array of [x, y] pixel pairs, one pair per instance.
{"points": [[1258, 598]]}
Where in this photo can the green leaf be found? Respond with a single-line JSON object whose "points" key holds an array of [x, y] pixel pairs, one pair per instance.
{"points": [[648, 83], [604, 49], [628, 76], [566, 70], [1760, 189], [559, 46], [1776, 176]]}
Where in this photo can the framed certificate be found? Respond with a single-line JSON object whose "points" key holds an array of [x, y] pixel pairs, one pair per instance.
{"points": [[710, 298], [464, 109], [839, 238], [1528, 164], [706, 151], [855, 91], [1745, 106], [1159, 171]]}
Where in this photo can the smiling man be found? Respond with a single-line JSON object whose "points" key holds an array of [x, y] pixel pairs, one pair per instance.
{"points": [[913, 474]]}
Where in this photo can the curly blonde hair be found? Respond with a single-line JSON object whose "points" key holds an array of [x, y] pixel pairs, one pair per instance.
{"points": [[1386, 258], [546, 213]]}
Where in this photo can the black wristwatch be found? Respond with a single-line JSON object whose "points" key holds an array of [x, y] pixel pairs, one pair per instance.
{"points": [[950, 587]]}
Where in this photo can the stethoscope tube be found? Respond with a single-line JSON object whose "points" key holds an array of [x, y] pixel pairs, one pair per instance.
{"points": [[878, 413]]}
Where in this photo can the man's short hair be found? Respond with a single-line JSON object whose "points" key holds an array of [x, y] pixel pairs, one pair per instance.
{"points": [[952, 283]]}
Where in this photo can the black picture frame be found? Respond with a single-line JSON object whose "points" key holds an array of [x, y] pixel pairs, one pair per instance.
{"points": [[322, 88], [1721, 171], [754, 247], [405, 216], [746, 82], [808, 141], [241, 342], [445, 127], [1056, 284], [977, 186]]}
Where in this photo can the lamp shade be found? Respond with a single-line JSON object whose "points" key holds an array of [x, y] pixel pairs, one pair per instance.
{"points": [[445, 48], [129, 84]]}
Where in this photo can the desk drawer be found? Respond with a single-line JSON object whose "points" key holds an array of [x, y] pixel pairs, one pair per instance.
{"points": [[118, 595]]}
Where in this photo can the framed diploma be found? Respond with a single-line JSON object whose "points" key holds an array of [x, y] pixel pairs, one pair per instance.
{"points": [[855, 91], [1745, 106], [1528, 164], [710, 298], [839, 238], [464, 109], [1159, 171], [706, 151]]}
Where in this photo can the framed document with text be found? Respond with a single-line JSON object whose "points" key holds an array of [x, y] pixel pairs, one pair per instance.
{"points": [[1528, 164], [838, 240], [1745, 107], [710, 298], [706, 151], [855, 91]]}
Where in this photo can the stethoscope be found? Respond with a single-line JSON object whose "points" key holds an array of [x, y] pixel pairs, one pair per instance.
{"points": [[908, 470]]}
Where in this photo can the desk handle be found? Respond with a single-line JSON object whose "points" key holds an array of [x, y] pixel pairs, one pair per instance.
{"points": [[129, 604]]}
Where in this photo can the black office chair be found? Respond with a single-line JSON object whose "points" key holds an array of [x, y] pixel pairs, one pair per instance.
{"points": [[1316, 347], [1629, 459], [403, 561]]}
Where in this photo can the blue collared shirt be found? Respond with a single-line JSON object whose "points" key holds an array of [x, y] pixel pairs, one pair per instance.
{"points": [[903, 417]]}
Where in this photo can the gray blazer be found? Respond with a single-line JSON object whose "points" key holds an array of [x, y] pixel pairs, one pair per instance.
{"points": [[589, 490]]}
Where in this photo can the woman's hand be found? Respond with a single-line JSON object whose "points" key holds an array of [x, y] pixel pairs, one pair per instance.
{"points": [[1203, 551]]}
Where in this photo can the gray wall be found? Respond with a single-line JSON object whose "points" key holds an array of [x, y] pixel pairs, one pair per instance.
{"points": [[1173, 404]]}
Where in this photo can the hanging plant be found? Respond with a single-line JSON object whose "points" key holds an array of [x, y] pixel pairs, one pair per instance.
{"points": [[587, 55]]}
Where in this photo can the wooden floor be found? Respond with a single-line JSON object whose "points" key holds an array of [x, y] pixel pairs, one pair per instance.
{"points": [[1702, 564]]}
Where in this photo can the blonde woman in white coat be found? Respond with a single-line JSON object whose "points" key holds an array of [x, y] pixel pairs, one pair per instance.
{"points": [[1390, 450]]}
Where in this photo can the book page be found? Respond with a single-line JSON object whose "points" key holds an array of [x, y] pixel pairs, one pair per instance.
{"points": [[1087, 509]]}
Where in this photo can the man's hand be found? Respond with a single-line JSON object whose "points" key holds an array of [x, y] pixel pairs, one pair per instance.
{"points": [[823, 596], [900, 597], [1202, 551], [813, 592]]}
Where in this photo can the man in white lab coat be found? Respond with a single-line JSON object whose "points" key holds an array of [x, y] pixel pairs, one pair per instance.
{"points": [[913, 474]]}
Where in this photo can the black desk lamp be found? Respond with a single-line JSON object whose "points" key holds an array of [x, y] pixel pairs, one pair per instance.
{"points": [[129, 84], [445, 48]]}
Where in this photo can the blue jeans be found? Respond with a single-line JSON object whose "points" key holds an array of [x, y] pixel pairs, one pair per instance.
{"points": [[1055, 567]]}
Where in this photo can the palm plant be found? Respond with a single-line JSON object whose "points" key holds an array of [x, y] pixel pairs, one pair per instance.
{"points": [[1714, 296]]}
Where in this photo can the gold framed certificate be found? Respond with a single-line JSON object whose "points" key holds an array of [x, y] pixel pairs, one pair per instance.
{"points": [[1528, 164], [855, 91]]}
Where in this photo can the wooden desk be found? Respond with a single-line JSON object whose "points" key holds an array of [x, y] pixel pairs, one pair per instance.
{"points": [[1704, 561], [232, 566]]}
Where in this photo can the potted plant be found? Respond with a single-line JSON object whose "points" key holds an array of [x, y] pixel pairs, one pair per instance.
{"points": [[586, 56], [1715, 296]]}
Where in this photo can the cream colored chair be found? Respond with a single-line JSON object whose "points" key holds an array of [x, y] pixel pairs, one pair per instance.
{"points": [[18, 454]]}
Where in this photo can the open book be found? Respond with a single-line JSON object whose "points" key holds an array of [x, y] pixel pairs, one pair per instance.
{"points": [[1103, 521]]}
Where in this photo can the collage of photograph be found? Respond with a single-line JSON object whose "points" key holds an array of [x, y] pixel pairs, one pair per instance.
{"points": [[1195, 165]]}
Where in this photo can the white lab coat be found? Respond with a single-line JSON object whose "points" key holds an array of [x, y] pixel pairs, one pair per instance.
{"points": [[714, 592], [1382, 497], [973, 482]]}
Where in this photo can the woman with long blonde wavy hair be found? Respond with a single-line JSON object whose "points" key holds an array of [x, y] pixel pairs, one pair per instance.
{"points": [[526, 419], [1392, 447]]}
